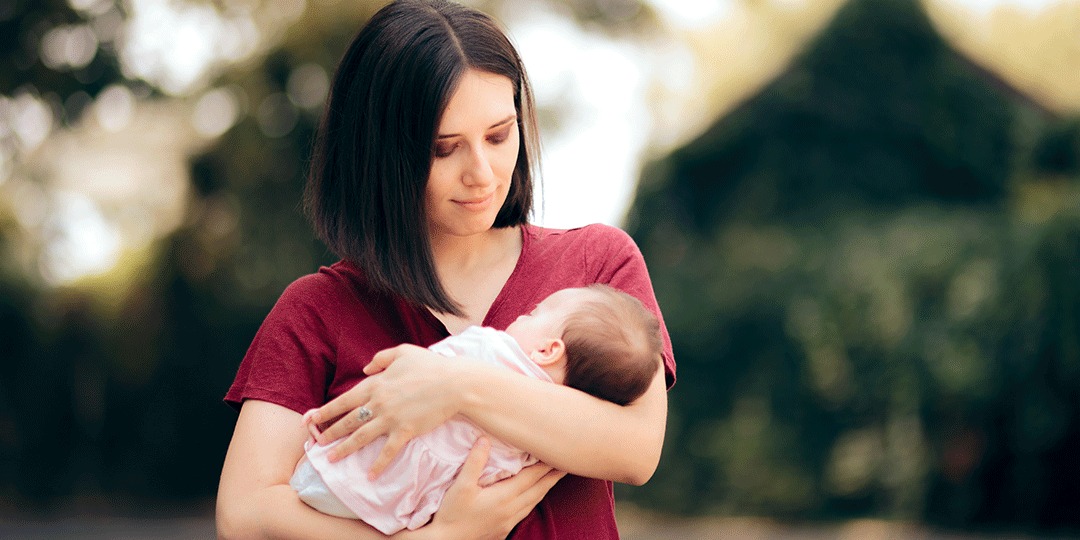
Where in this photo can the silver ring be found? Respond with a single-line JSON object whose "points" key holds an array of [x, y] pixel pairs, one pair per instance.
{"points": [[363, 414]]}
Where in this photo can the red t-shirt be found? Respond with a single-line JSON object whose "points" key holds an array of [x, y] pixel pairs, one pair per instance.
{"points": [[327, 326]]}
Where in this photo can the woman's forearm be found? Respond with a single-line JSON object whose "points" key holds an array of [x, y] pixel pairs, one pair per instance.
{"points": [[254, 496], [568, 429], [411, 390], [276, 512], [256, 501]]}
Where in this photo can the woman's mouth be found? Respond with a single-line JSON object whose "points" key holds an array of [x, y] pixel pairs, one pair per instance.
{"points": [[475, 204]]}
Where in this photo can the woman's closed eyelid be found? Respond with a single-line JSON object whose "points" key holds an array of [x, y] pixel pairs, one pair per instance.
{"points": [[495, 138], [500, 136], [443, 151]]}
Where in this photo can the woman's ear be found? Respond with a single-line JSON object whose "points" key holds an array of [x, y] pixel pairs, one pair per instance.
{"points": [[550, 352]]}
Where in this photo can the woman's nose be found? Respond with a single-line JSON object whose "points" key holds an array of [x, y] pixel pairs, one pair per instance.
{"points": [[478, 171]]}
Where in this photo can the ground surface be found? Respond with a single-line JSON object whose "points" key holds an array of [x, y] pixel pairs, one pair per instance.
{"points": [[633, 524]]}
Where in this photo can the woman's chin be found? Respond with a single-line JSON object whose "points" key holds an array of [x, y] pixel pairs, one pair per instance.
{"points": [[465, 228]]}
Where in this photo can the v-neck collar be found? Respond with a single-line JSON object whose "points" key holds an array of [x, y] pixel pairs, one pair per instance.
{"points": [[526, 237]]}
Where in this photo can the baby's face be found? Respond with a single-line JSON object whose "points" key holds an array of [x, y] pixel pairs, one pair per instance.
{"points": [[545, 322]]}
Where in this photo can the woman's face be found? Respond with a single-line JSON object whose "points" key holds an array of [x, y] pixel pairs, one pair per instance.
{"points": [[476, 149]]}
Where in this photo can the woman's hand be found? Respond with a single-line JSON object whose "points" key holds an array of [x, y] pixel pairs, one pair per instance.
{"points": [[471, 511], [409, 392]]}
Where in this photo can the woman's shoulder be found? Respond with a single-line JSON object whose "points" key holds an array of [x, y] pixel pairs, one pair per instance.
{"points": [[593, 235], [315, 283], [330, 285], [581, 255], [590, 249]]}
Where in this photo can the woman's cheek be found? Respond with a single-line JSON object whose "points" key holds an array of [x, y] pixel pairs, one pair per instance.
{"points": [[507, 162]]}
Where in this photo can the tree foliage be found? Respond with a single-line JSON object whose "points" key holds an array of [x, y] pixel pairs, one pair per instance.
{"points": [[865, 320]]}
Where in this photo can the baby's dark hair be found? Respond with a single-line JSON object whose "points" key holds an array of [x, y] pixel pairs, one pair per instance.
{"points": [[613, 346]]}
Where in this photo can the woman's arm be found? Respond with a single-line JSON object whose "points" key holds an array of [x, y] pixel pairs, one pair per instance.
{"points": [[570, 429], [255, 499], [415, 390]]}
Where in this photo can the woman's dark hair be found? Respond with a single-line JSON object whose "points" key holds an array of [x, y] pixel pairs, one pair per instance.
{"points": [[374, 147]]}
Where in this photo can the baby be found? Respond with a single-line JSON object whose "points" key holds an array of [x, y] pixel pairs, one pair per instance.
{"points": [[596, 339]]}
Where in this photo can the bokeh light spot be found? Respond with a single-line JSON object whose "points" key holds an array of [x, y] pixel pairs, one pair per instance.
{"points": [[115, 107], [80, 240], [69, 47], [308, 85], [276, 115], [215, 112], [30, 118]]}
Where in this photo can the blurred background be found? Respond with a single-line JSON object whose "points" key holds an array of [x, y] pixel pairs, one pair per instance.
{"points": [[862, 220]]}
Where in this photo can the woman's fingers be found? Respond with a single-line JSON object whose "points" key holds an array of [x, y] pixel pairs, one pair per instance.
{"points": [[534, 493], [381, 359], [493, 511], [342, 427], [528, 488], [531, 474], [305, 421], [385, 357], [343, 408], [475, 462], [406, 398], [359, 438], [394, 443], [467, 484], [465, 512]]}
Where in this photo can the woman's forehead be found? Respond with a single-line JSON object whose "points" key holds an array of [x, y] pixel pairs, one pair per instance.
{"points": [[481, 100]]}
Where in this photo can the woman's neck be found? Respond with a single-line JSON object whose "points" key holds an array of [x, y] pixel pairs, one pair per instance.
{"points": [[474, 270], [457, 255]]}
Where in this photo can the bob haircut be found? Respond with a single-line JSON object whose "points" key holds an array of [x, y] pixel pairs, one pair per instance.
{"points": [[375, 144]]}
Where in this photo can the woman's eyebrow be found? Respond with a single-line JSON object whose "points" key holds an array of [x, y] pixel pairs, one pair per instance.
{"points": [[503, 122]]}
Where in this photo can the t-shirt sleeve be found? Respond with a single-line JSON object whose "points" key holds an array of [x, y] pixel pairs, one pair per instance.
{"points": [[291, 358], [621, 265]]}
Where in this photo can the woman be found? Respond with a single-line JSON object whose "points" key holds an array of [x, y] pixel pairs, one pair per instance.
{"points": [[421, 182]]}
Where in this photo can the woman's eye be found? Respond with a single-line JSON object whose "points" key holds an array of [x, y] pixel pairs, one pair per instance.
{"points": [[443, 150], [500, 136]]}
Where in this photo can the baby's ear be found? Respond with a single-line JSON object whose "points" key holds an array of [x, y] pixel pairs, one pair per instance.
{"points": [[550, 352]]}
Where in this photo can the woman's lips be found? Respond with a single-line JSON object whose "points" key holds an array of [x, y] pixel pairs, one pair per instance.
{"points": [[475, 204]]}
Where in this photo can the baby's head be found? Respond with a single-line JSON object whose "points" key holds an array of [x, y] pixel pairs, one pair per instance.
{"points": [[597, 339]]}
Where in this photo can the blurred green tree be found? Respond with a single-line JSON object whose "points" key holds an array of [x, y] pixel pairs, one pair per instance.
{"points": [[1057, 151], [865, 323]]}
